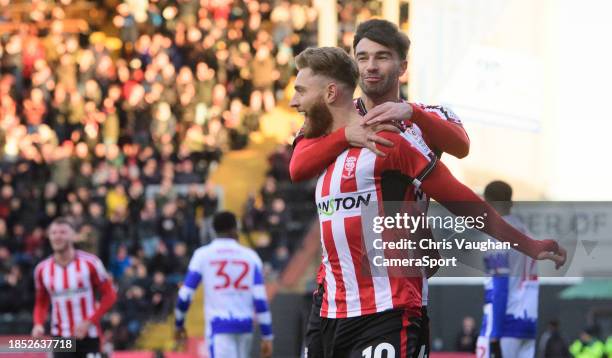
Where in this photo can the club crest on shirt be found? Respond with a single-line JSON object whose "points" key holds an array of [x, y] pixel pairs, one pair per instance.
{"points": [[416, 140], [350, 163]]}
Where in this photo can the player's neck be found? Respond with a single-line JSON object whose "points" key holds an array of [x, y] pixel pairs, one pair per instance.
{"points": [[64, 257], [227, 236], [391, 96], [344, 115]]}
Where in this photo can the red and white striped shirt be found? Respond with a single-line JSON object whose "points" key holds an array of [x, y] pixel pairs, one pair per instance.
{"points": [[356, 177], [304, 166], [70, 291]]}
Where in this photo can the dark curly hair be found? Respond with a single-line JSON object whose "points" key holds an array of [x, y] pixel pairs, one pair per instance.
{"points": [[385, 33]]}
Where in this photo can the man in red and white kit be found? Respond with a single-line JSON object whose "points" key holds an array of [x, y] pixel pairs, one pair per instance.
{"points": [[364, 315], [68, 281], [381, 51]]}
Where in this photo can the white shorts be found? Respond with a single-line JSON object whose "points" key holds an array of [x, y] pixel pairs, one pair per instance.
{"points": [[510, 347], [230, 345]]}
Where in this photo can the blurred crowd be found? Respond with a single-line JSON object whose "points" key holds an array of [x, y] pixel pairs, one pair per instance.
{"points": [[122, 138], [119, 125], [278, 216]]}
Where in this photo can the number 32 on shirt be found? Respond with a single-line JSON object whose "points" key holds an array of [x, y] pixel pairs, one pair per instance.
{"points": [[231, 274]]}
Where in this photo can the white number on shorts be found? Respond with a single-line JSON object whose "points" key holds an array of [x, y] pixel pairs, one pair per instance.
{"points": [[378, 351]]}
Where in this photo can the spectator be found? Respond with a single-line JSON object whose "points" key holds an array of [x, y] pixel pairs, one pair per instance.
{"points": [[116, 200], [120, 262], [181, 258], [161, 260], [135, 309], [117, 332], [17, 293], [209, 202], [6, 260], [146, 229], [168, 226], [466, 338], [552, 344], [160, 296], [278, 217], [186, 174], [141, 279], [588, 345]]}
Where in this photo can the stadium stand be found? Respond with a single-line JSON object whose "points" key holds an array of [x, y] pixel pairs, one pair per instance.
{"points": [[119, 121]]}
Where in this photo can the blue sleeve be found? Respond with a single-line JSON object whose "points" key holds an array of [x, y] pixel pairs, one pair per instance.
{"points": [[192, 280], [260, 301]]}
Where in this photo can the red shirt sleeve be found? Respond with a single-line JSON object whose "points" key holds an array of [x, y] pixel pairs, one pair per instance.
{"points": [[312, 155], [41, 305], [442, 186], [404, 155], [101, 284], [442, 130], [108, 296]]}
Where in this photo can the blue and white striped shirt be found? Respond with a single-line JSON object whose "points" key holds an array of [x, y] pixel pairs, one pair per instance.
{"points": [[234, 290]]}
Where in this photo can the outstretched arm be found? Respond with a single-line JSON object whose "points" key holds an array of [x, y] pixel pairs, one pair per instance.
{"points": [[442, 186], [437, 181]]}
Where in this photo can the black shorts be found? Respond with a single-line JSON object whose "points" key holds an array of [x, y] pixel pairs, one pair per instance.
{"points": [[404, 333], [313, 344], [85, 348]]}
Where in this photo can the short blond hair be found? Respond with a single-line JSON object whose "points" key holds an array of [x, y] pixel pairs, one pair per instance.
{"points": [[332, 62]]}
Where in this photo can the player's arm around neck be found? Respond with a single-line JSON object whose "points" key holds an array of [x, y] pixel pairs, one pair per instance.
{"points": [[442, 132], [445, 134], [312, 155]]}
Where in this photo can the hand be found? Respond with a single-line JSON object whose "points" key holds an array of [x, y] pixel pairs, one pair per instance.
{"points": [[38, 331], [364, 136], [80, 331], [180, 336], [557, 257], [266, 348], [388, 112]]}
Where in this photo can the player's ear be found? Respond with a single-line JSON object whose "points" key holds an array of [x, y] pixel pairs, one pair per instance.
{"points": [[331, 92], [403, 67]]}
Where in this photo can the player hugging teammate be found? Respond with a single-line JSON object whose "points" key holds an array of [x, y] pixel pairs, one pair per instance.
{"points": [[355, 313]]}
